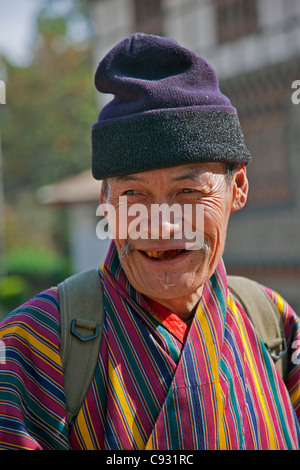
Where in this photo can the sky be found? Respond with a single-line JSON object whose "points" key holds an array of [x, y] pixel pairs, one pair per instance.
{"points": [[17, 28]]}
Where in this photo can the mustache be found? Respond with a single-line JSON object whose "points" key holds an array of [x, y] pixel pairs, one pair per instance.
{"points": [[126, 250]]}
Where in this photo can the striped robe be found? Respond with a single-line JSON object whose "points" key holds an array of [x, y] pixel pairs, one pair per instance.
{"points": [[152, 390]]}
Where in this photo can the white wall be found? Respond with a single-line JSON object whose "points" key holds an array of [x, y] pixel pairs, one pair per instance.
{"points": [[193, 24], [86, 249]]}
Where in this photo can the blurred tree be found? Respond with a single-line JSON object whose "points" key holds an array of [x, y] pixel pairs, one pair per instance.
{"points": [[45, 128], [47, 119]]}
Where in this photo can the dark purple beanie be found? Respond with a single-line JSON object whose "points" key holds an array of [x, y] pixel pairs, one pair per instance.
{"points": [[167, 110]]}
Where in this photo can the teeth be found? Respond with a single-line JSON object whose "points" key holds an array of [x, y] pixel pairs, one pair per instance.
{"points": [[156, 254], [162, 254]]}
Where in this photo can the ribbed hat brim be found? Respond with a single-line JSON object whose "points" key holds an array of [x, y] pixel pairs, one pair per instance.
{"points": [[164, 139]]}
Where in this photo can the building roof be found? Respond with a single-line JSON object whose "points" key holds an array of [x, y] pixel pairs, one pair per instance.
{"points": [[72, 190]]}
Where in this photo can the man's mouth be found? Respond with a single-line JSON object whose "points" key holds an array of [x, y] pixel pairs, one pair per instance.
{"points": [[163, 254]]}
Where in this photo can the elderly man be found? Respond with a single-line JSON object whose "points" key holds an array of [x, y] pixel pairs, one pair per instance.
{"points": [[180, 365]]}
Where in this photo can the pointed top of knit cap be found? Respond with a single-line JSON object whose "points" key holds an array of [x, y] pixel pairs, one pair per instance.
{"points": [[167, 110]]}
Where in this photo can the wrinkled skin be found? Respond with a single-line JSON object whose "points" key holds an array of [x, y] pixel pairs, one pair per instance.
{"points": [[176, 278]]}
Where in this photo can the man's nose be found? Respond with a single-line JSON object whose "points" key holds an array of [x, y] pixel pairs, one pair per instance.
{"points": [[166, 221]]}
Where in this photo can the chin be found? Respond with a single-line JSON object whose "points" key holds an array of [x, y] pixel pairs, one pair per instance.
{"points": [[170, 285]]}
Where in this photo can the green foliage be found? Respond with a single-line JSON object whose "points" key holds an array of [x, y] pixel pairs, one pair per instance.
{"points": [[13, 292], [46, 123], [45, 135], [40, 267], [30, 270], [54, 26]]}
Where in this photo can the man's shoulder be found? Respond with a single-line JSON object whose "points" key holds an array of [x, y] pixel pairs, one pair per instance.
{"points": [[246, 288], [282, 304]]}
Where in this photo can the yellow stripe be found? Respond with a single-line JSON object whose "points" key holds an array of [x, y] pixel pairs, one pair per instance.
{"points": [[214, 365], [265, 413], [123, 404], [97, 446], [84, 432], [280, 304], [149, 445], [295, 397], [33, 341]]}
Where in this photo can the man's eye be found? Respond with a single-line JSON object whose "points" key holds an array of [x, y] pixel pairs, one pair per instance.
{"points": [[130, 192], [187, 190]]}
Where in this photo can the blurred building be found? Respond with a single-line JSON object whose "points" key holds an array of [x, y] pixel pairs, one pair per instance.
{"points": [[79, 197], [254, 45]]}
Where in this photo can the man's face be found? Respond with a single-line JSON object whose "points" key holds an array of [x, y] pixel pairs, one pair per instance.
{"points": [[162, 267]]}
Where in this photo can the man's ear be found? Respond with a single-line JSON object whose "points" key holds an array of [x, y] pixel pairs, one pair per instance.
{"points": [[240, 187], [103, 192]]}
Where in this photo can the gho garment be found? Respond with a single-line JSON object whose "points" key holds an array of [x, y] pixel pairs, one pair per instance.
{"points": [[152, 389]]}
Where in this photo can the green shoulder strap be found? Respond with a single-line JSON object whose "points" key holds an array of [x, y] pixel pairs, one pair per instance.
{"points": [[265, 317], [81, 312]]}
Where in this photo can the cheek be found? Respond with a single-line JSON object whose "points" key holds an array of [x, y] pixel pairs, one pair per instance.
{"points": [[216, 217]]}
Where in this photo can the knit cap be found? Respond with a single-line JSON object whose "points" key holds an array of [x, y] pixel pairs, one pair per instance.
{"points": [[167, 110]]}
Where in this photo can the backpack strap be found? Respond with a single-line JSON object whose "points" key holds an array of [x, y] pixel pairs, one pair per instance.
{"points": [[81, 313], [265, 317]]}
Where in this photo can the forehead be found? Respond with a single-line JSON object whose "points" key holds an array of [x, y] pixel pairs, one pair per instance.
{"points": [[193, 172]]}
